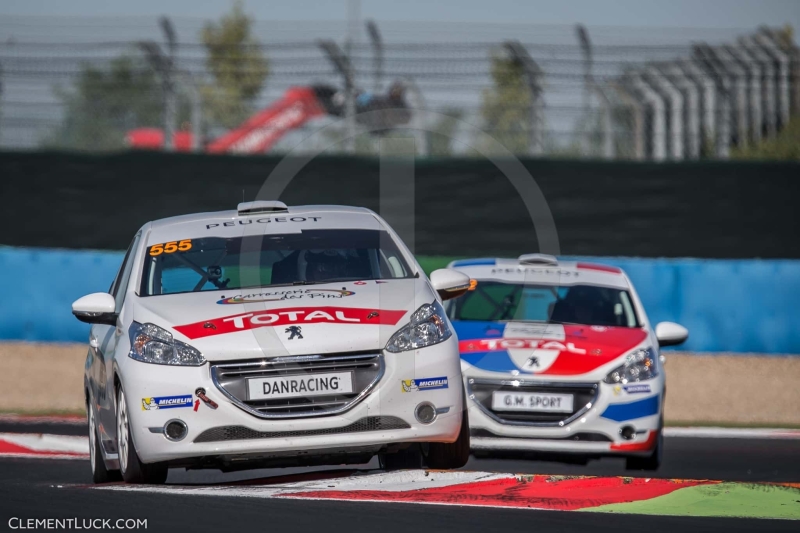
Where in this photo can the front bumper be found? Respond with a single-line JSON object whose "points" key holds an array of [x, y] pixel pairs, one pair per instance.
{"points": [[596, 428], [230, 431]]}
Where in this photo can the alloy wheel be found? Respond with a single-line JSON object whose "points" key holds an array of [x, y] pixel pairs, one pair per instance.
{"points": [[122, 431]]}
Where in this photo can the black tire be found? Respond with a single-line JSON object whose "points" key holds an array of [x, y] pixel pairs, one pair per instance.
{"points": [[132, 469], [449, 456], [100, 474], [408, 459], [651, 462]]}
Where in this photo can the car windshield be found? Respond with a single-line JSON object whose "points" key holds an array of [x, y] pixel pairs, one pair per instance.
{"points": [[304, 258], [573, 304]]}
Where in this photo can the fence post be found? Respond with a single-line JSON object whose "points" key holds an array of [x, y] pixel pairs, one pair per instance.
{"points": [[674, 115], [657, 127], [691, 108], [708, 103], [738, 91], [752, 82], [723, 110], [637, 130], [768, 108], [782, 83], [792, 52]]}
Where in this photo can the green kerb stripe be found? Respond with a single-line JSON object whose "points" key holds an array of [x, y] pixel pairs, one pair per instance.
{"points": [[746, 500]]}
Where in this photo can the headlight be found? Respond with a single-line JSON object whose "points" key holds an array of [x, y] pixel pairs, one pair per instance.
{"points": [[640, 365], [428, 326], [152, 344]]}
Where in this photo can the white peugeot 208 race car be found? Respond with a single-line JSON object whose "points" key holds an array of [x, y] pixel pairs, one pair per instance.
{"points": [[559, 357], [272, 336]]}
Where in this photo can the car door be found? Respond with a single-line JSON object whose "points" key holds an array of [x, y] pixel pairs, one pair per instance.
{"points": [[107, 339]]}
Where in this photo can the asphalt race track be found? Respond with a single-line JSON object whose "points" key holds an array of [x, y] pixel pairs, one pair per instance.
{"points": [[54, 488]]}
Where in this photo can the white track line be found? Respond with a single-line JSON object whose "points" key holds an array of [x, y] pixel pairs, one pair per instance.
{"points": [[407, 480], [731, 433], [43, 445]]}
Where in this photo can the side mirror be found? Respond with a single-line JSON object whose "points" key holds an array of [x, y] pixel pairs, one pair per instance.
{"points": [[670, 333], [96, 308], [449, 283]]}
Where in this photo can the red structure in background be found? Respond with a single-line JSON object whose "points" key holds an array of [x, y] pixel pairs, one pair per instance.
{"points": [[153, 139], [379, 113], [257, 135]]}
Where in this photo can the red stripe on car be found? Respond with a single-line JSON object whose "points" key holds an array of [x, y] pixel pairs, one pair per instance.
{"points": [[601, 268], [294, 315], [644, 446]]}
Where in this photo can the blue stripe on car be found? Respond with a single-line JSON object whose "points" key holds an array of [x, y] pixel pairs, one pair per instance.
{"points": [[474, 262], [498, 361], [475, 329], [491, 361], [628, 411]]}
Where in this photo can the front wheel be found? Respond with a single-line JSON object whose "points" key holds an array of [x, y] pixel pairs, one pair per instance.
{"points": [[449, 456], [133, 470], [100, 474]]}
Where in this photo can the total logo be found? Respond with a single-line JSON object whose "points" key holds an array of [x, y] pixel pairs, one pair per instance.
{"points": [[494, 345], [288, 316]]}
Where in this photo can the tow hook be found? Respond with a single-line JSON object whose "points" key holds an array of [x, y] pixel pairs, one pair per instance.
{"points": [[201, 393]]}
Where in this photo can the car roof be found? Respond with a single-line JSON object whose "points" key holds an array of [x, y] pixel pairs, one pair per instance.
{"points": [[544, 269], [260, 218]]}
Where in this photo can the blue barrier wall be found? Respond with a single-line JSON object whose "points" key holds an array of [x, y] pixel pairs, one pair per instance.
{"points": [[728, 305], [40, 285]]}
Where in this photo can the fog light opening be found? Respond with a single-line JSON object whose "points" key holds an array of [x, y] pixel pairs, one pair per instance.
{"points": [[627, 432], [175, 430], [425, 413]]}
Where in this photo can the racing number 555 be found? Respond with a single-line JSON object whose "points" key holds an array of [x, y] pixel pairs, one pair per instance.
{"points": [[171, 247]]}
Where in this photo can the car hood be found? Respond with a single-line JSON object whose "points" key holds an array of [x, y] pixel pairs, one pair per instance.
{"points": [[524, 348], [296, 320]]}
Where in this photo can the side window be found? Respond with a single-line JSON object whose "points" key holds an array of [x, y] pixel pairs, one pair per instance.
{"points": [[120, 284]]}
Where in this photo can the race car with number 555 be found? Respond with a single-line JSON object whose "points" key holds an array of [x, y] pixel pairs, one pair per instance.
{"points": [[272, 336], [559, 358]]}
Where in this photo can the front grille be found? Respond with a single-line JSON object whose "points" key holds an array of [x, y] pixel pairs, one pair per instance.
{"points": [[480, 390], [370, 423], [231, 379]]}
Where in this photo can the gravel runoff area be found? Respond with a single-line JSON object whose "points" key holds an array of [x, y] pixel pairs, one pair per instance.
{"points": [[701, 389]]}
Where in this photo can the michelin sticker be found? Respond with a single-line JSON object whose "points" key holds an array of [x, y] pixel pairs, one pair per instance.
{"points": [[637, 388], [416, 385], [166, 402]]}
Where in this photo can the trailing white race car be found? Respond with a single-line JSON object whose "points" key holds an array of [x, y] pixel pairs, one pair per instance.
{"points": [[559, 357], [272, 336]]}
